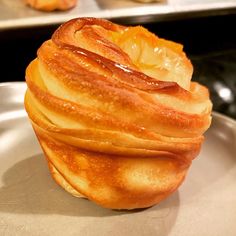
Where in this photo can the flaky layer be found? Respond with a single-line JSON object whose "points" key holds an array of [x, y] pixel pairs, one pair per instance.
{"points": [[117, 182], [119, 103]]}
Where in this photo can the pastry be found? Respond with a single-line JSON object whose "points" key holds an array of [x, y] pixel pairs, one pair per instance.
{"points": [[50, 5], [115, 112]]}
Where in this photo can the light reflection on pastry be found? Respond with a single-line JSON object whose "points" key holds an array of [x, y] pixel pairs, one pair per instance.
{"points": [[51, 5], [115, 112]]}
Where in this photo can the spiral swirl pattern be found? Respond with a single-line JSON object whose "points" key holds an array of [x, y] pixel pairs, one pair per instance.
{"points": [[115, 112]]}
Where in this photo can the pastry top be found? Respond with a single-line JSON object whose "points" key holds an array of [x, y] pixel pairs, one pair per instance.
{"points": [[51, 5], [123, 88]]}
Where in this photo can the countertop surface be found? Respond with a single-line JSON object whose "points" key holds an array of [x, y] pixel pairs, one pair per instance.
{"points": [[15, 14]]}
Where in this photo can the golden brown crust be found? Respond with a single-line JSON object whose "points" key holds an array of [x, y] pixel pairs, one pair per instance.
{"points": [[62, 182], [51, 5], [114, 181], [115, 126]]}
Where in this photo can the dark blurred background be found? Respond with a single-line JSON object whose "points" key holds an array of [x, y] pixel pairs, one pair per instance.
{"points": [[210, 42]]}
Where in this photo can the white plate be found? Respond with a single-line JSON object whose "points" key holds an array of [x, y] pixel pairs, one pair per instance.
{"points": [[32, 204]]}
